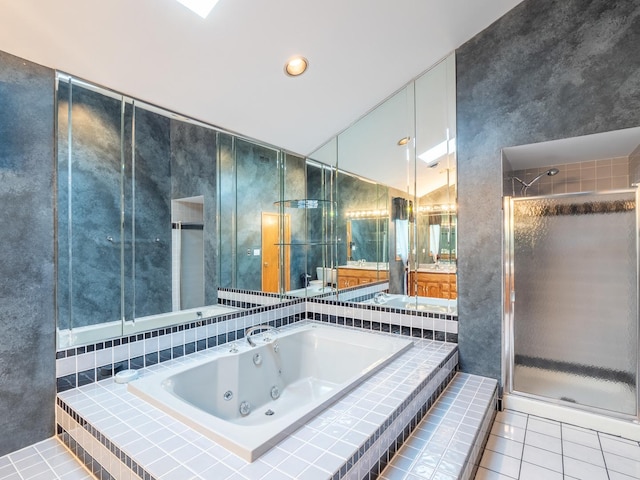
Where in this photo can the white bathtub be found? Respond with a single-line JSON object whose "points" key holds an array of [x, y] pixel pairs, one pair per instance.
{"points": [[102, 331], [427, 304], [312, 366]]}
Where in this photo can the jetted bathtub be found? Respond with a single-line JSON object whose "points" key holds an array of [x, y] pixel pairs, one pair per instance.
{"points": [[249, 400]]}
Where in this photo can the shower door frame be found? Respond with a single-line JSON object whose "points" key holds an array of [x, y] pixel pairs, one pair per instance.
{"points": [[508, 296]]}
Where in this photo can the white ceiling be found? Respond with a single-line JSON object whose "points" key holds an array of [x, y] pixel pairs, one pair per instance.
{"points": [[227, 70], [613, 144]]}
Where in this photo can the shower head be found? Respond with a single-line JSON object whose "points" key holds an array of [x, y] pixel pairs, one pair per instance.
{"points": [[551, 172]]}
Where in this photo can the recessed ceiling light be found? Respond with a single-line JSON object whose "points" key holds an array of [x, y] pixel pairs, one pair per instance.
{"points": [[201, 7], [404, 141], [296, 66]]}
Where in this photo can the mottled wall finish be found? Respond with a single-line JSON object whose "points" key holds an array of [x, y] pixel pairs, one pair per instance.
{"points": [[227, 215], [257, 184], [89, 266], [152, 181], [548, 69], [27, 317]]}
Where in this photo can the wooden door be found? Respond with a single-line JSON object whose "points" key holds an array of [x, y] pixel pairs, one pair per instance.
{"points": [[271, 252]]}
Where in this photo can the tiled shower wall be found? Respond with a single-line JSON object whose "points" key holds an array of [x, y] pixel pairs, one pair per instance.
{"points": [[596, 175]]}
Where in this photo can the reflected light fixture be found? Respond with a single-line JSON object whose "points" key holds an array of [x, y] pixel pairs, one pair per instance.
{"points": [[404, 141], [296, 66], [201, 7]]}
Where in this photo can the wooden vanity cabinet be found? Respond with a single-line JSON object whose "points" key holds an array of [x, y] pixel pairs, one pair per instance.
{"points": [[437, 285], [352, 277]]}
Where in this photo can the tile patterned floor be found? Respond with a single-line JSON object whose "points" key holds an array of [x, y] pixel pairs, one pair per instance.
{"points": [[46, 460], [526, 447]]}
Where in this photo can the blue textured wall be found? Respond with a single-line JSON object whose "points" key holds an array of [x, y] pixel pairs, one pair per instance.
{"points": [[27, 317], [548, 69]]}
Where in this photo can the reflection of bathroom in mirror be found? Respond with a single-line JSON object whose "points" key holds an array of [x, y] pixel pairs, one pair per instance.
{"points": [[405, 149], [156, 212], [367, 240], [136, 216]]}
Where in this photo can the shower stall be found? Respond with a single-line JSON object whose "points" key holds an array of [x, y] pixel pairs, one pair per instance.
{"points": [[571, 300]]}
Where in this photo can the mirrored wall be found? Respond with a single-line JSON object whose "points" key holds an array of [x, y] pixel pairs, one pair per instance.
{"points": [[158, 212], [396, 191]]}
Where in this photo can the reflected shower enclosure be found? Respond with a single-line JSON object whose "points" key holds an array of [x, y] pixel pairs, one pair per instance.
{"points": [[572, 299], [121, 163]]}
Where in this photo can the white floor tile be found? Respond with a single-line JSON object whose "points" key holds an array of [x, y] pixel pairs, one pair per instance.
{"points": [[542, 458], [529, 471], [552, 450], [619, 476], [510, 417], [623, 465], [546, 427], [622, 447], [544, 442], [505, 446], [508, 431], [503, 464], [583, 453], [484, 474], [579, 435], [578, 469]]}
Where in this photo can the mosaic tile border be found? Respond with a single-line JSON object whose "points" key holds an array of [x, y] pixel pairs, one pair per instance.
{"points": [[71, 434], [91, 363], [86, 364]]}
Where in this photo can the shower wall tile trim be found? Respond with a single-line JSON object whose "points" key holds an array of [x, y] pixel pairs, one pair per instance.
{"points": [[86, 364], [595, 175]]}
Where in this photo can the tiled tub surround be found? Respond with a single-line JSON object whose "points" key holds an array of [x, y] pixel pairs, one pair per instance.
{"points": [[121, 436], [89, 363], [246, 298], [449, 441], [420, 324], [46, 460]]}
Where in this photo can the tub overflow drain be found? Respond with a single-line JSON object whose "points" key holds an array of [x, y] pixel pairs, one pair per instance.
{"points": [[269, 412]]}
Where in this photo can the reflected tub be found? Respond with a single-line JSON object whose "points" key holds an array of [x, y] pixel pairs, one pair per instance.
{"points": [[249, 400], [101, 331], [427, 304]]}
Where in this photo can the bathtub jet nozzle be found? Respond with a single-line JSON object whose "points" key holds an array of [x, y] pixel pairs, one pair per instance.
{"points": [[245, 408]]}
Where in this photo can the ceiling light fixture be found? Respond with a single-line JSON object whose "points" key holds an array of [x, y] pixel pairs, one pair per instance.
{"points": [[404, 141], [296, 66], [201, 7]]}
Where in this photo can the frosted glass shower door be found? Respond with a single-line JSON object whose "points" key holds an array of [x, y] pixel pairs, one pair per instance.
{"points": [[574, 299]]}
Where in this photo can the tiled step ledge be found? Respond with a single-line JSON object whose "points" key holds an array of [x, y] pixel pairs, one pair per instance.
{"points": [[48, 459], [448, 443], [121, 436]]}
